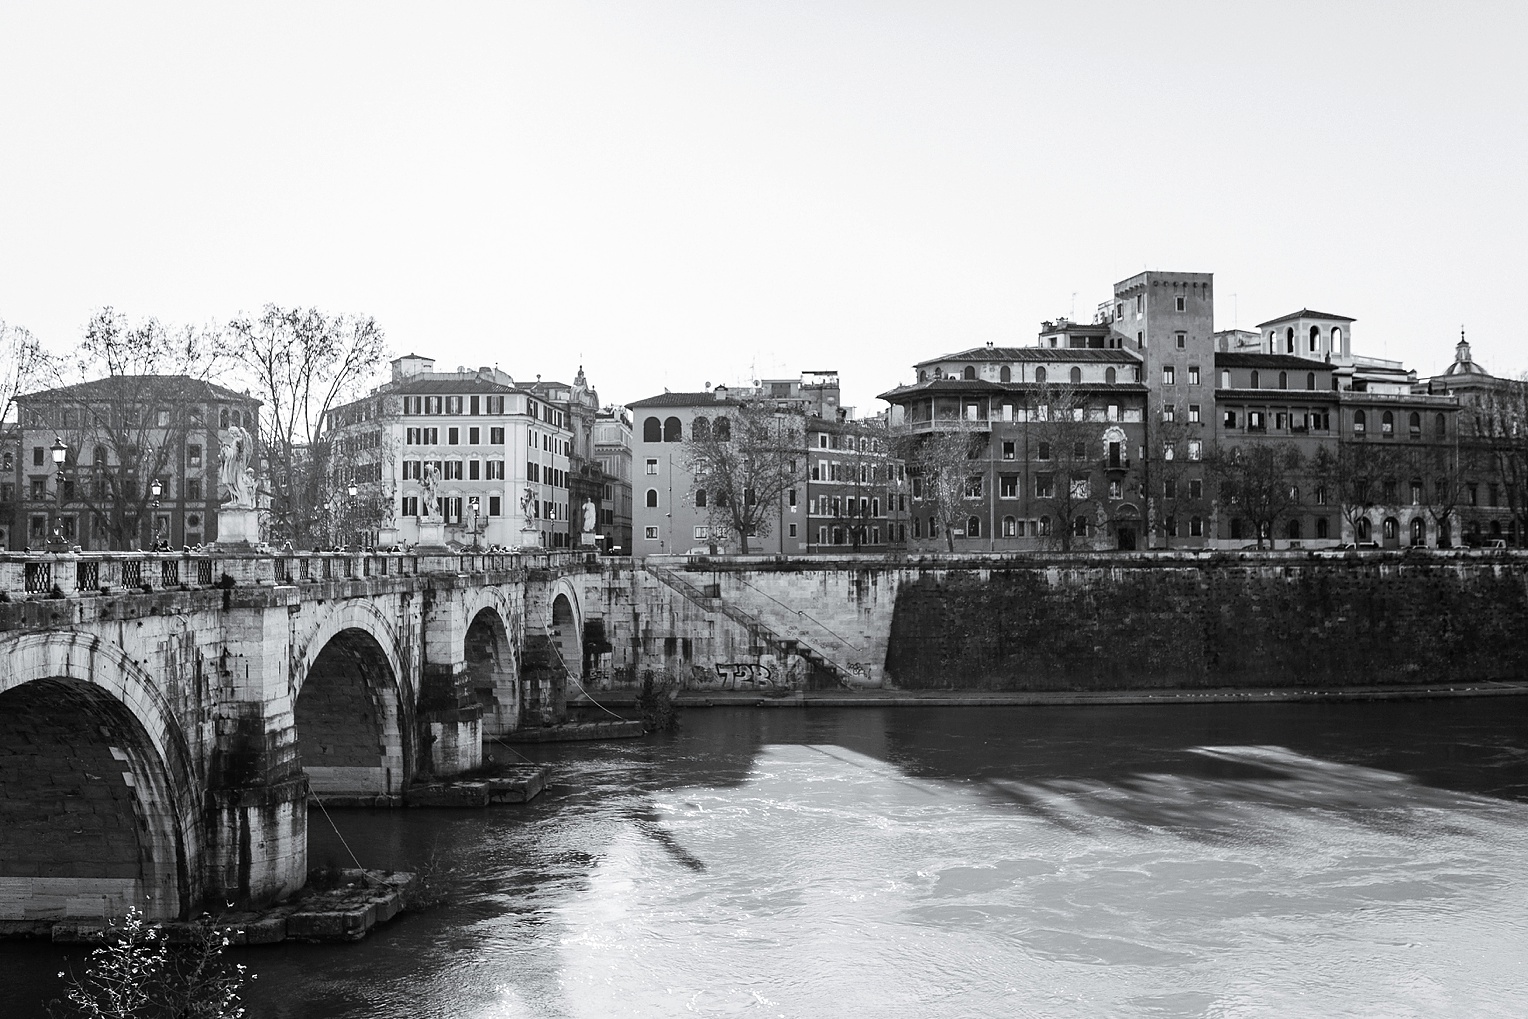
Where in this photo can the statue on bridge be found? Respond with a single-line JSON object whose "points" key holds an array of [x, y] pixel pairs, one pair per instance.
{"points": [[430, 479], [236, 479]]}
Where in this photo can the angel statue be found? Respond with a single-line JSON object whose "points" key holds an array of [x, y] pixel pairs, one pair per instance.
{"points": [[431, 483], [236, 479]]}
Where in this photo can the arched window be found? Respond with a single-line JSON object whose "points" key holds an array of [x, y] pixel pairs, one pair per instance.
{"points": [[1110, 375], [1283, 380], [1273, 342], [1321, 526], [1336, 340], [1361, 529], [1255, 379], [922, 377], [1040, 375], [1045, 527], [1440, 426], [969, 373], [652, 498], [700, 498], [673, 431], [98, 457], [1315, 338], [1293, 530], [1076, 376], [1414, 425], [1391, 529], [1010, 527], [933, 527], [722, 430], [973, 527], [1289, 340], [917, 527], [1005, 374], [1418, 531], [223, 418], [1360, 422], [1387, 424], [700, 429], [1310, 380], [652, 430], [1080, 526]]}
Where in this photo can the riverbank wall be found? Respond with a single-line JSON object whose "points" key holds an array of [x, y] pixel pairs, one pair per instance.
{"points": [[1095, 621]]}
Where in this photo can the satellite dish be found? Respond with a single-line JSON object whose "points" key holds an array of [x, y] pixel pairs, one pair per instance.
{"points": [[708, 385]]}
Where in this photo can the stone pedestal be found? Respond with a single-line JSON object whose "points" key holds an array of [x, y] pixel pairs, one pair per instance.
{"points": [[530, 537], [432, 536], [588, 540], [238, 529]]}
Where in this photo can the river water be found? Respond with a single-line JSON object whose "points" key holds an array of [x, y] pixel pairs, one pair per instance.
{"points": [[1213, 860]]}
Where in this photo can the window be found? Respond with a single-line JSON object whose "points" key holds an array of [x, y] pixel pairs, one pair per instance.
{"points": [[792, 530], [1008, 452], [1110, 376], [1416, 491], [453, 470], [1044, 486], [453, 436], [1230, 419], [1414, 425], [652, 431], [1195, 449], [650, 533], [1196, 488], [1360, 422], [1283, 380], [1193, 375], [1171, 526], [1008, 486], [1167, 375], [700, 498], [1080, 526], [1321, 527], [1043, 529], [474, 435], [968, 373], [1182, 339], [1256, 421], [1169, 451], [701, 532], [496, 436], [722, 430], [410, 505], [1193, 413], [1169, 412], [652, 498], [1076, 376], [193, 489], [1005, 374], [652, 465], [973, 527], [1116, 490], [1010, 527], [1195, 527], [1255, 379], [1040, 375], [1225, 378], [1178, 303], [974, 486], [37, 456], [673, 431], [496, 470], [1310, 380], [1043, 451], [1440, 426], [194, 456], [1387, 424]]}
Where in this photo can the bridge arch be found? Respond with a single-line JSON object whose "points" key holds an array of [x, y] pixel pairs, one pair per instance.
{"points": [[101, 807], [492, 669], [565, 617], [351, 706]]}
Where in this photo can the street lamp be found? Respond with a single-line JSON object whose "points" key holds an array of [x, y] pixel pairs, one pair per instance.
{"points": [[472, 504], [60, 454], [156, 489], [350, 491]]}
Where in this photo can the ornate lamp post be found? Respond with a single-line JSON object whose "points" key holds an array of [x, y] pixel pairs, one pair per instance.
{"points": [[60, 451], [351, 490], [472, 505]]}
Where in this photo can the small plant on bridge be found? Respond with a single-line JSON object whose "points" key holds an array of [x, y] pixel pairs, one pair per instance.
{"points": [[139, 972]]}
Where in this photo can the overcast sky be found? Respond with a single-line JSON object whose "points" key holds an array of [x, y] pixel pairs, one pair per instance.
{"points": [[681, 193]]}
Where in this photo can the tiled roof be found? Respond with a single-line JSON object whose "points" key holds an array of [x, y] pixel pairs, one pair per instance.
{"points": [[1041, 354], [1246, 359], [680, 400], [117, 386], [426, 383], [1304, 313]]}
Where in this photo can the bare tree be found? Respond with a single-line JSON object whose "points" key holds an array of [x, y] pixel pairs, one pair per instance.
{"points": [[942, 464], [745, 462], [1062, 436], [128, 429], [24, 366], [865, 466], [1360, 475], [1499, 427], [304, 363], [1258, 480]]}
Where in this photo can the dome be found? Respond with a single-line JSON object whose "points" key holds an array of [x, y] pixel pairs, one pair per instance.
{"points": [[1464, 363]]}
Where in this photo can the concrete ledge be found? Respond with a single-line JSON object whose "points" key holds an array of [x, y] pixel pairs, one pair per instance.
{"points": [[447, 794], [572, 731], [524, 784]]}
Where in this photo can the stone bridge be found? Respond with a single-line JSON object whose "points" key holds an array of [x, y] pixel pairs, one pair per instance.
{"points": [[164, 718]]}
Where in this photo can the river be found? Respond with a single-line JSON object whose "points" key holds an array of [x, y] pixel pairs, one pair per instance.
{"points": [[1353, 859]]}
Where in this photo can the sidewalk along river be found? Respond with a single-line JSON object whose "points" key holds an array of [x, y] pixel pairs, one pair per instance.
{"points": [[1207, 860]]}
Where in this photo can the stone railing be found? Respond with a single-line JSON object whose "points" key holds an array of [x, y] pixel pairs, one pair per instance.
{"points": [[72, 573]]}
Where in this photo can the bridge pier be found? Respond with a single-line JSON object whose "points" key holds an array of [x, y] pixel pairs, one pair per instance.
{"points": [[450, 716]]}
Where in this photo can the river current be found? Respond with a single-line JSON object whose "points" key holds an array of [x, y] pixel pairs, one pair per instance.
{"points": [[1280, 860]]}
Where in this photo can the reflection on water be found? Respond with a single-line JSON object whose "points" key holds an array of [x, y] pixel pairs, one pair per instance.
{"points": [[1271, 860]]}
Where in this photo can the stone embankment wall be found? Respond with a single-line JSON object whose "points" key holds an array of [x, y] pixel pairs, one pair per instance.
{"points": [[1225, 621], [1083, 621]]}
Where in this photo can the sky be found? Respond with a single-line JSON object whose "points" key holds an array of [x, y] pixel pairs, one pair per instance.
{"points": [[677, 194]]}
